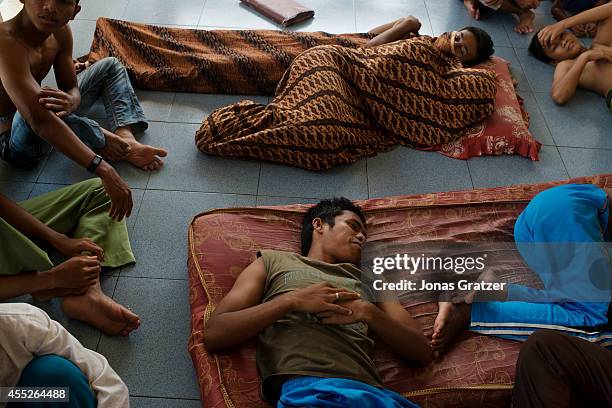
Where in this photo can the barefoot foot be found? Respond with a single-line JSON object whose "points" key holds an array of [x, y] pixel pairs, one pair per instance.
{"points": [[100, 311], [116, 147], [472, 8], [525, 24], [451, 319], [145, 157]]}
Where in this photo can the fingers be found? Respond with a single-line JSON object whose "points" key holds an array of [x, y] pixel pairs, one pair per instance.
{"points": [[345, 295], [92, 247], [339, 309], [47, 91]]}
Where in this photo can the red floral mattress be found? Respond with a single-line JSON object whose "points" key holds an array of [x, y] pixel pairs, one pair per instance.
{"points": [[476, 370]]}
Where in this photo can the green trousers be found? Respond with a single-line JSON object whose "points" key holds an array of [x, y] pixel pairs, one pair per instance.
{"points": [[79, 211]]}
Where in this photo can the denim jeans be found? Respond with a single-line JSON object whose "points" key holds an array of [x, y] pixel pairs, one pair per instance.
{"points": [[106, 79]]}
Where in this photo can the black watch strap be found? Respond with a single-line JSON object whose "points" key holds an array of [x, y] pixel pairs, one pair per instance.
{"points": [[95, 162]]}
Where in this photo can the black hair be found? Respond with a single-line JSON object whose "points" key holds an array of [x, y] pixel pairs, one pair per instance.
{"points": [[484, 45], [536, 49], [327, 211]]}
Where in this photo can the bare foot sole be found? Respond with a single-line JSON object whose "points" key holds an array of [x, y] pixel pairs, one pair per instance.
{"points": [[145, 157], [100, 311], [525, 24], [451, 319], [472, 8], [116, 147]]}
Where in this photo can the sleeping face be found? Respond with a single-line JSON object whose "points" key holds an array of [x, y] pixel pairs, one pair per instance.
{"points": [[460, 44]]}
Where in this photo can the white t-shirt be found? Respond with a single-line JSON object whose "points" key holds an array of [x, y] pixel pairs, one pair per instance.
{"points": [[27, 332]]}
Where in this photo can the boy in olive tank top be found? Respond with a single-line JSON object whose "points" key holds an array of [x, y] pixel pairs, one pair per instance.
{"points": [[311, 320]]}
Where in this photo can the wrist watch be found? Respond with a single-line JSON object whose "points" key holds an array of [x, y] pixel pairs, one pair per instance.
{"points": [[95, 162]]}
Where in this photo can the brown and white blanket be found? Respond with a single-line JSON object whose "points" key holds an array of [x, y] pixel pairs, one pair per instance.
{"points": [[335, 105]]}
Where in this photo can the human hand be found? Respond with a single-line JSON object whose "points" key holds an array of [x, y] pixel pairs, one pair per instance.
{"points": [[321, 297], [117, 190], [360, 313], [60, 102], [79, 272], [600, 54], [551, 34], [71, 247], [409, 23], [579, 30], [590, 29], [81, 66]]}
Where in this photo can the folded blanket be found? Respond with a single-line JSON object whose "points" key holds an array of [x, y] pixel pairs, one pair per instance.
{"points": [[335, 105]]}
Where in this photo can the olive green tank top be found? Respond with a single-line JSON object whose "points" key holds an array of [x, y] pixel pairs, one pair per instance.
{"points": [[298, 344]]}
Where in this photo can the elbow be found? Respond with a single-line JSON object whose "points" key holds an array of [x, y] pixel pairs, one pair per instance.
{"points": [[213, 338], [41, 124], [559, 99], [211, 341]]}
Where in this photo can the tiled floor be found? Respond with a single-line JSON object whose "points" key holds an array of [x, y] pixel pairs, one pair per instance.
{"points": [[154, 361]]}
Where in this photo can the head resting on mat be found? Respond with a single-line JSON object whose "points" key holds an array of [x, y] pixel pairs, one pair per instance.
{"points": [[566, 47], [334, 230], [48, 16], [470, 44]]}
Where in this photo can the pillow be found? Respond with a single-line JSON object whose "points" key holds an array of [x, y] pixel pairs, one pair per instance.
{"points": [[505, 131]]}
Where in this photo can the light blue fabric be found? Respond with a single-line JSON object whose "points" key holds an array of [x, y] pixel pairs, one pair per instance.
{"points": [[55, 371], [106, 79], [560, 235], [338, 393]]}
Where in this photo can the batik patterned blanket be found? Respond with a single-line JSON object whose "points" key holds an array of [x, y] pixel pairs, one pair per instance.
{"points": [[336, 104], [247, 62]]}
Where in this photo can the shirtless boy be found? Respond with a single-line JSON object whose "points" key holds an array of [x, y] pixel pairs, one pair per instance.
{"points": [[33, 117], [575, 65]]}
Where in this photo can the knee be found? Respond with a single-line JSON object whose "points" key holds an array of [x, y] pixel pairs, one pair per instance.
{"points": [[111, 65], [539, 344], [51, 370]]}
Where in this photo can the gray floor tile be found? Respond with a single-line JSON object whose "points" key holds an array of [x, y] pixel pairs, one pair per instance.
{"points": [[44, 188], [179, 12], [586, 162], [92, 9], [16, 191], [336, 16], [156, 105], [153, 361], [10, 173], [582, 122], [142, 402], [508, 170], [263, 201], [369, 14], [194, 108], [537, 123], [61, 170], [449, 16], [516, 69], [159, 238], [188, 169], [522, 41], [234, 14], [538, 73], [285, 181], [408, 171], [82, 33]]}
